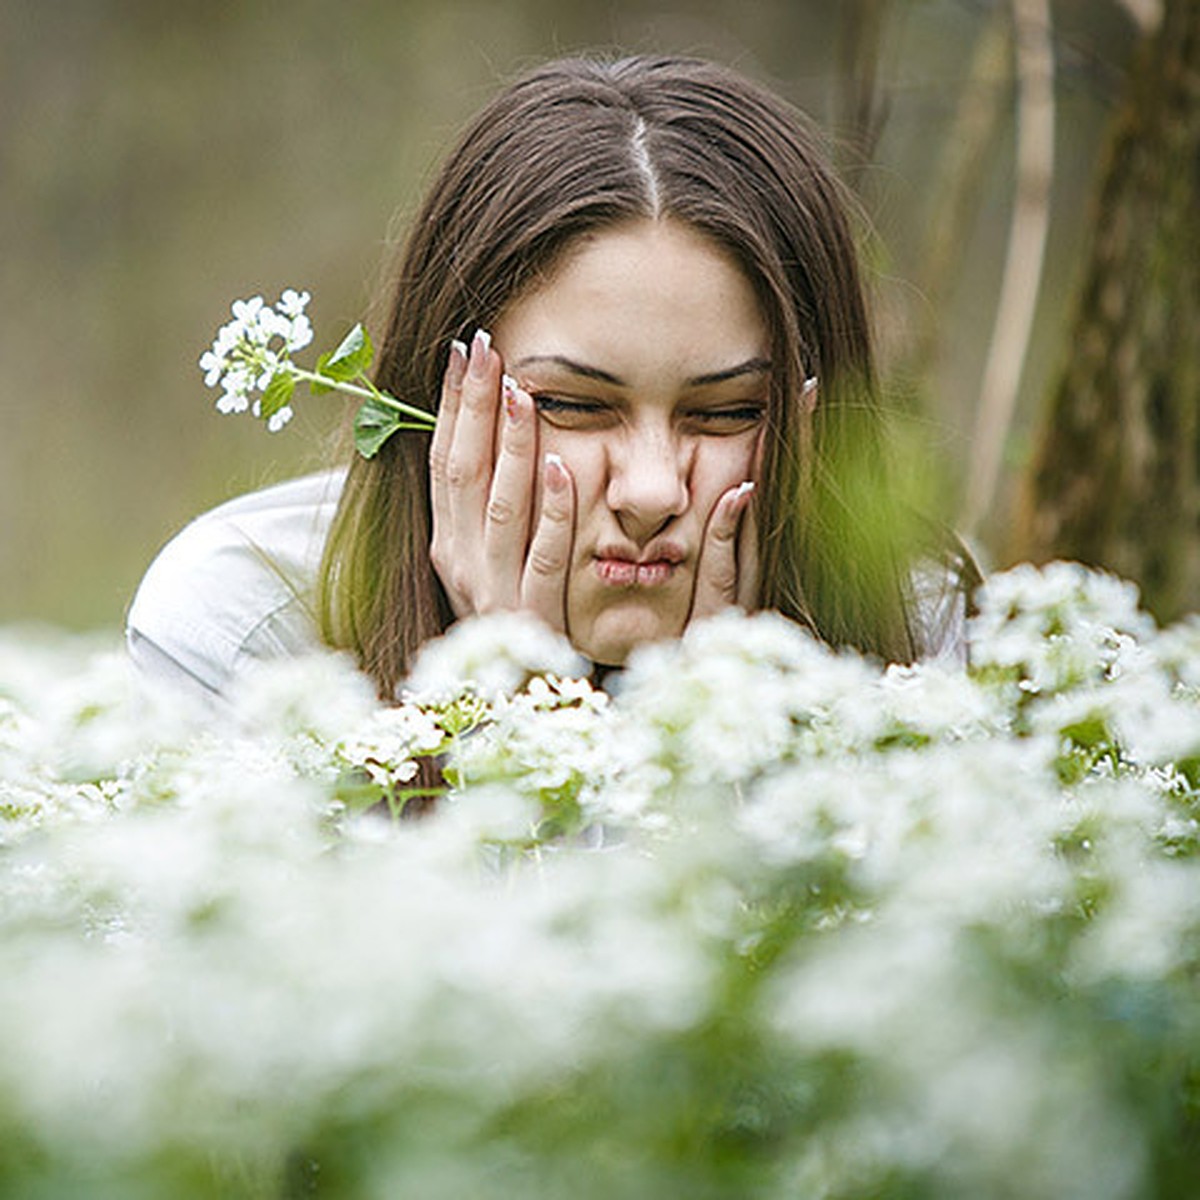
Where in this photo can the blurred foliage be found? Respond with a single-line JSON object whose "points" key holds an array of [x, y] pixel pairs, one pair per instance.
{"points": [[160, 160]]}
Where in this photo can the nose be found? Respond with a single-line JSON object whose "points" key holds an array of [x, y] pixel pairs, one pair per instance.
{"points": [[648, 480]]}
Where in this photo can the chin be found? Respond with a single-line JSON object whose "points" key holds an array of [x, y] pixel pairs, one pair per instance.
{"points": [[609, 639]]}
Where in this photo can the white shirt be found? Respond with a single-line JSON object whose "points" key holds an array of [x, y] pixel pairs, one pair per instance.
{"points": [[238, 585], [235, 586]]}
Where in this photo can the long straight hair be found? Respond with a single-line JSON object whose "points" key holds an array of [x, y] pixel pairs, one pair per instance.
{"points": [[578, 146]]}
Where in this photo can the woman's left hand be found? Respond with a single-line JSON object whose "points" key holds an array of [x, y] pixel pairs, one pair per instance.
{"points": [[728, 571]]}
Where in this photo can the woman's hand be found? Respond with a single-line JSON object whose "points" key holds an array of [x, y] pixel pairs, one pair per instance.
{"points": [[727, 574], [493, 548]]}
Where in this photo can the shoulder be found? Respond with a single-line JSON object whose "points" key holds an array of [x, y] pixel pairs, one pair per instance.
{"points": [[943, 590], [236, 584]]}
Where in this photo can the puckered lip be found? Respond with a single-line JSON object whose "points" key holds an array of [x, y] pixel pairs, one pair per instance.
{"points": [[624, 567], [656, 552]]}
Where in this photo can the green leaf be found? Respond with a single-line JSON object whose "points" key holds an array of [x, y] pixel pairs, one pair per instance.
{"points": [[350, 359], [374, 423], [279, 392], [1090, 733]]}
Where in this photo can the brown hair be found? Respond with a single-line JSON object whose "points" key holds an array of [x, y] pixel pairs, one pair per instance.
{"points": [[578, 145]]}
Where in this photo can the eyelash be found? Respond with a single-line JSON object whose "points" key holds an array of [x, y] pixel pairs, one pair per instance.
{"points": [[744, 414], [554, 404]]}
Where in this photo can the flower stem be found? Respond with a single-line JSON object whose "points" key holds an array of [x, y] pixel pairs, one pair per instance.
{"points": [[426, 419]]}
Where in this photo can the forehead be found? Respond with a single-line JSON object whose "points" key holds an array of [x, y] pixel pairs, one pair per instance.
{"points": [[647, 293]]}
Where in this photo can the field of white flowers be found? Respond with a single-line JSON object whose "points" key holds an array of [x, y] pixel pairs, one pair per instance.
{"points": [[765, 922]]}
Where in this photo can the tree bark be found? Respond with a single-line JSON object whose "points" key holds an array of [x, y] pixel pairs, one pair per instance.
{"points": [[1116, 479]]}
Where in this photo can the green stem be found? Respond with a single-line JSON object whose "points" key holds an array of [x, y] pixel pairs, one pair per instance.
{"points": [[426, 419]]}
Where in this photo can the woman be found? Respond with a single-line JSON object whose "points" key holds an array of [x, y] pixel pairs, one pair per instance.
{"points": [[634, 293]]}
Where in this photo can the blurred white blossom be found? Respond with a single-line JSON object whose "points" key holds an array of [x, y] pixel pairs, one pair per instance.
{"points": [[493, 655], [765, 920]]}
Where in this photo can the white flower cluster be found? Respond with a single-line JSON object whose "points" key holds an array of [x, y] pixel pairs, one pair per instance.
{"points": [[764, 919], [253, 348]]}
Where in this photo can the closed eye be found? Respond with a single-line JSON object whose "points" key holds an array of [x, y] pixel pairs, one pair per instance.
{"points": [[734, 419], [571, 414]]}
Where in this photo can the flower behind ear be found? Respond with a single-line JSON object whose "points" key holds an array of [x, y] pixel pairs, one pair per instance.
{"points": [[253, 353]]}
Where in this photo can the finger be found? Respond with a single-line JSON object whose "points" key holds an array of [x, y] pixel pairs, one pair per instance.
{"points": [[544, 585], [717, 574], [472, 447], [443, 434], [468, 472], [748, 595], [461, 474], [510, 501], [747, 560]]}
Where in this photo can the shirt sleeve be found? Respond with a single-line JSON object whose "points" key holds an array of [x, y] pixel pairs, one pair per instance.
{"points": [[941, 603], [236, 586]]}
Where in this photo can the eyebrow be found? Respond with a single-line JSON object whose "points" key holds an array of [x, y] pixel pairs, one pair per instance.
{"points": [[752, 366]]}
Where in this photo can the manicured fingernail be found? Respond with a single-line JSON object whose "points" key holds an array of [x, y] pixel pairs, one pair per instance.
{"points": [[481, 343], [556, 473], [743, 490], [512, 393], [456, 368], [808, 393]]}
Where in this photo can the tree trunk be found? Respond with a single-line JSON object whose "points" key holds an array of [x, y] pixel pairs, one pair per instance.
{"points": [[1116, 479]]}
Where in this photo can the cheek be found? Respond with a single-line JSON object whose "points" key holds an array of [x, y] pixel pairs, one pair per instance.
{"points": [[722, 464], [584, 457], [758, 450]]}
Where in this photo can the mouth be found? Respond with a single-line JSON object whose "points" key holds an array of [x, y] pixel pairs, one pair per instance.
{"points": [[655, 567]]}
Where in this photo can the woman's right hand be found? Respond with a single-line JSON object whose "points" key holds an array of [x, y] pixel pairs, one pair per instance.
{"points": [[494, 547]]}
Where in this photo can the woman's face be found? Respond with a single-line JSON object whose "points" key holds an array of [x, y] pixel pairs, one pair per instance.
{"points": [[646, 354]]}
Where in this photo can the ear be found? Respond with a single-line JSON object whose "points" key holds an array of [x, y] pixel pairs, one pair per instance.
{"points": [[808, 394]]}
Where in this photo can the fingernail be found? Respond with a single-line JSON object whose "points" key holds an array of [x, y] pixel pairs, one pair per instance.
{"points": [[555, 472], [808, 393], [743, 490], [456, 368], [481, 343], [512, 392]]}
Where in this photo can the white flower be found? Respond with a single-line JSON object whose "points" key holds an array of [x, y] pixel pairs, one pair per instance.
{"points": [[278, 419], [269, 364], [272, 324], [319, 694], [299, 334], [245, 312], [213, 366], [818, 856], [234, 398], [496, 654], [292, 303], [249, 351]]}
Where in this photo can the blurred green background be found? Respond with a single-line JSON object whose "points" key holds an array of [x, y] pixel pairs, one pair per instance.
{"points": [[159, 160]]}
